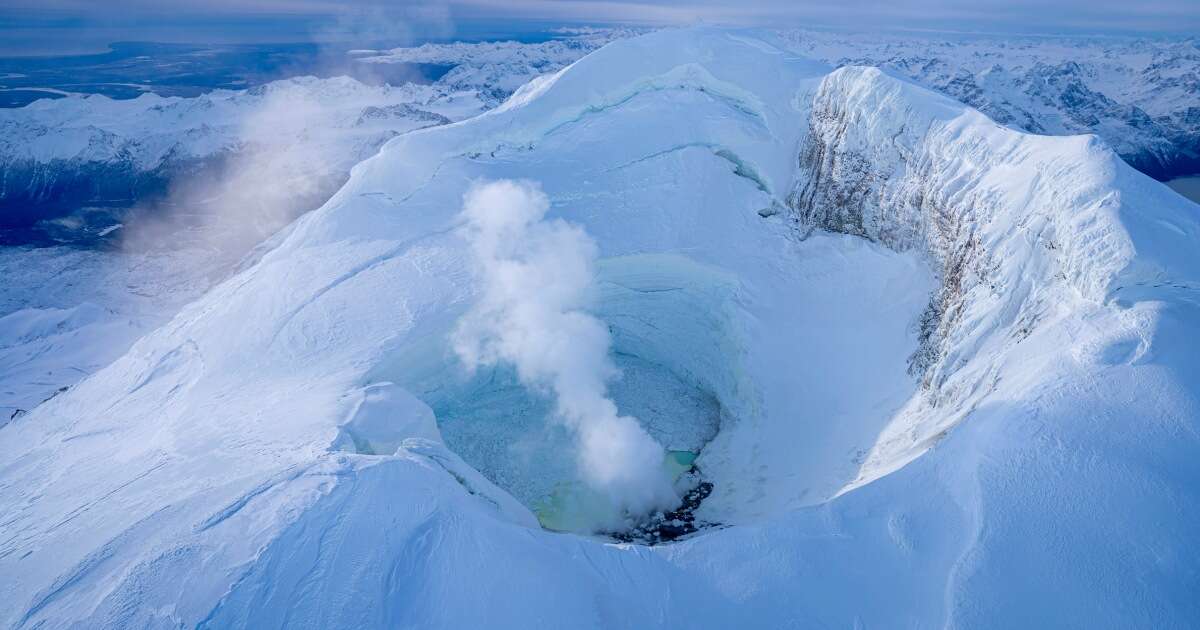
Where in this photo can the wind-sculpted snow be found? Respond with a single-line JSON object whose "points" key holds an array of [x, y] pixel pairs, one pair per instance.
{"points": [[65, 313], [952, 366]]}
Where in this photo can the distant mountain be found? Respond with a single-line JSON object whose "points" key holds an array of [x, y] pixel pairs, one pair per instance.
{"points": [[57, 156], [1142, 96]]}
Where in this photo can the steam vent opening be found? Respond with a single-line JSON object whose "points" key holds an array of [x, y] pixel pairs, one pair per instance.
{"points": [[750, 427]]}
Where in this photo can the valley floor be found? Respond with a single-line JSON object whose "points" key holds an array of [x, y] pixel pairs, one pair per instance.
{"points": [[1187, 186]]}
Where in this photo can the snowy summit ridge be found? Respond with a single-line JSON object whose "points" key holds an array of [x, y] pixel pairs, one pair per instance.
{"points": [[1141, 95], [950, 369]]}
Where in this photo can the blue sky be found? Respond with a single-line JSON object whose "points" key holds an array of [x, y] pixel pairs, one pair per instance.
{"points": [[31, 25]]}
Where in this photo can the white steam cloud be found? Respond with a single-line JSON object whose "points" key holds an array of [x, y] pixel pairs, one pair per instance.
{"points": [[536, 274], [292, 150]]}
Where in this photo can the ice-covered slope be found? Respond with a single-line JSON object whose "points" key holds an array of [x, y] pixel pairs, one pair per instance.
{"points": [[855, 270], [221, 172], [208, 178]]}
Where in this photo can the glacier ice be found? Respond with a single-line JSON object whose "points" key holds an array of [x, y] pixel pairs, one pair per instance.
{"points": [[952, 368]]}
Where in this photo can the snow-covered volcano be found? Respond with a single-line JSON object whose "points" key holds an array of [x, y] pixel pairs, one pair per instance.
{"points": [[938, 373]]}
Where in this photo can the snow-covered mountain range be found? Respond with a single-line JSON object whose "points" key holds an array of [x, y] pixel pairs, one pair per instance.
{"points": [[1141, 95], [937, 373], [59, 155], [76, 152], [496, 69]]}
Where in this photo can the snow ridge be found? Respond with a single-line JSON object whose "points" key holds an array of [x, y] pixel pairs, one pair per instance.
{"points": [[1008, 220], [1139, 94]]}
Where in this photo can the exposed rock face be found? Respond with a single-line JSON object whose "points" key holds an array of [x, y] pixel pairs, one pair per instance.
{"points": [[886, 192], [887, 162]]}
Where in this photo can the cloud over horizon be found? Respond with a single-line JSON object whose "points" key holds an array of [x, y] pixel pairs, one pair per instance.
{"points": [[1010, 16]]}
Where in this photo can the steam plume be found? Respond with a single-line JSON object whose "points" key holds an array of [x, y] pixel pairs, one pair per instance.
{"points": [[535, 274]]}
